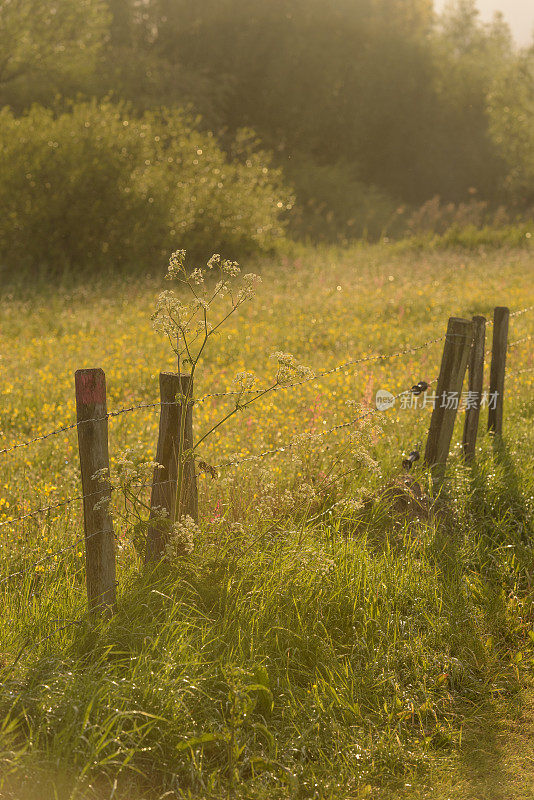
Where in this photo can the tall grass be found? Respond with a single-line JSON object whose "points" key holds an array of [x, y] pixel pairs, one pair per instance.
{"points": [[276, 662]]}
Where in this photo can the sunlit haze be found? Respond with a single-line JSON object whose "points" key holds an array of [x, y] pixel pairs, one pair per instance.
{"points": [[518, 13]]}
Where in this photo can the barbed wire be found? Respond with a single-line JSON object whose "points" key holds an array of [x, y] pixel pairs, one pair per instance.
{"points": [[48, 435], [319, 375], [333, 429], [102, 492], [520, 371], [158, 404], [274, 451], [512, 315], [233, 462], [53, 555], [223, 465], [111, 489], [234, 392], [230, 463], [520, 341], [62, 628], [522, 311], [53, 506], [74, 425]]}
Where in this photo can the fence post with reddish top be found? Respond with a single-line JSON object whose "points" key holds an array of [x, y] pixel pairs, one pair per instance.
{"points": [[92, 421]]}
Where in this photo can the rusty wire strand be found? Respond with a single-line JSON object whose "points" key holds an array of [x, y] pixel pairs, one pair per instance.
{"points": [[520, 341], [158, 404], [353, 362], [522, 311], [264, 454], [70, 500], [74, 425], [55, 554], [335, 428], [520, 371]]}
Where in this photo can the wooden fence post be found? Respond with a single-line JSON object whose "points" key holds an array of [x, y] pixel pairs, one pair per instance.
{"points": [[164, 484], [476, 383], [100, 565], [501, 317], [448, 393]]}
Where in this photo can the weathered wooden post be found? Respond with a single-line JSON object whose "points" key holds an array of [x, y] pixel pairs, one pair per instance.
{"points": [[92, 420], [450, 381], [501, 317], [476, 383], [171, 452]]}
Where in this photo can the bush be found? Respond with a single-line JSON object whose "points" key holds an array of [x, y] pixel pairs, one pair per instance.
{"points": [[95, 184], [335, 206]]}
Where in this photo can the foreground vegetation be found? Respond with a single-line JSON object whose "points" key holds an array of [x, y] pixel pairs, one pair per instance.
{"points": [[326, 636]]}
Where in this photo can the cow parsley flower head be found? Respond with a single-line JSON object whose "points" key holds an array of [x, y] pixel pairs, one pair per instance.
{"points": [[182, 537], [171, 313], [230, 268], [176, 268], [197, 276], [289, 370], [245, 380]]}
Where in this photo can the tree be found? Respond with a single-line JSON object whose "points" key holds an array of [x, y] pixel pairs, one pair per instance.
{"points": [[45, 46], [468, 55], [511, 110]]}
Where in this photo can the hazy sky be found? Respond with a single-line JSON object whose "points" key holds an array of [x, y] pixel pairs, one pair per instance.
{"points": [[519, 14]]}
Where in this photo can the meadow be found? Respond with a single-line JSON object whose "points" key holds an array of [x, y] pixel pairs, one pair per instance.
{"points": [[317, 640]]}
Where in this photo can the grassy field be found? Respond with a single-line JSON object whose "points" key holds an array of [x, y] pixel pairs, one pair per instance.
{"points": [[321, 639]]}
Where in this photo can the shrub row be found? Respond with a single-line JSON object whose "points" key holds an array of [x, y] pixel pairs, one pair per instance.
{"points": [[96, 184]]}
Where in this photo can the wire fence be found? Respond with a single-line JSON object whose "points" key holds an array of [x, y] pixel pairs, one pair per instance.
{"points": [[521, 312], [232, 462], [107, 491], [411, 349], [236, 392], [291, 445], [157, 404], [227, 393], [520, 341], [55, 554]]}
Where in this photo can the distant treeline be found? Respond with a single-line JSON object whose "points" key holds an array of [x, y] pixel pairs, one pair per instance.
{"points": [[369, 107]]}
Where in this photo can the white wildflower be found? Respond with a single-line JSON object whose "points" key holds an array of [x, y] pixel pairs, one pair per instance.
{"points": [[214, 261], [197, 276], [176, 266], [230, 268], [181, 538], [289, 370]]}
